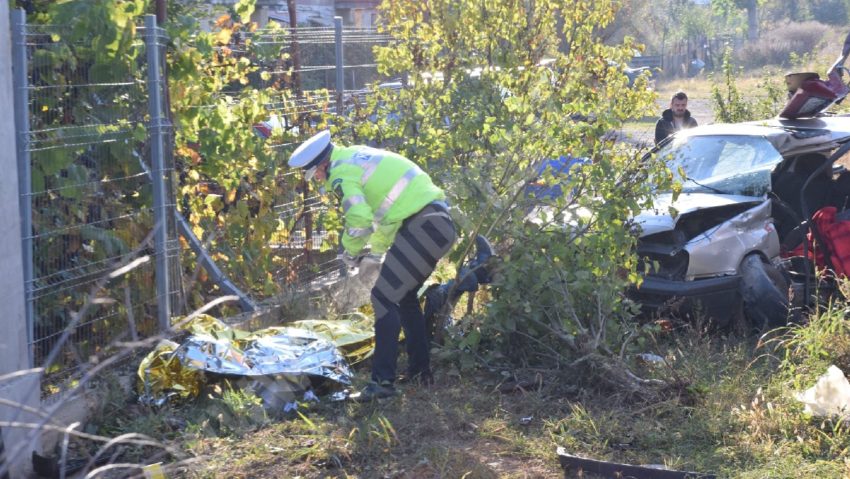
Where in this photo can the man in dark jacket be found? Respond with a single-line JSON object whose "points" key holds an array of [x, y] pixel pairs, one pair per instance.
{"points": [[675, 118]]}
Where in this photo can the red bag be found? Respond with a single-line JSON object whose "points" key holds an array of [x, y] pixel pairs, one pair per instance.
{"points": [[834, 230]]}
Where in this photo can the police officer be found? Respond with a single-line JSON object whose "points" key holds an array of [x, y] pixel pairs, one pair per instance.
{"points": [[392, 205]]}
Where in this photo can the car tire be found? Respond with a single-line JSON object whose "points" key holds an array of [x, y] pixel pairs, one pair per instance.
{"points": [[764, 291]]}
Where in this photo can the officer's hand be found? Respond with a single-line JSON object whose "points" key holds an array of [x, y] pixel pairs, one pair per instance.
{"points": [[370, 261]]}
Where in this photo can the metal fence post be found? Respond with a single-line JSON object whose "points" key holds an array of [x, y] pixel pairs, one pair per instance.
{"points": [[340, 91], [157, 129], [340, 77], [21, 82], [5, 470]]}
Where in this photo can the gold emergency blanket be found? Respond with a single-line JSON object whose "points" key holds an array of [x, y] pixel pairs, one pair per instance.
{"points": [[354, 336], [291, 354], [162, 375]]}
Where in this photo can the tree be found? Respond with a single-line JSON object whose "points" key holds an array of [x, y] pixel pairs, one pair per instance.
{"points": [[482, 112], [752, 19], [729, 7]]}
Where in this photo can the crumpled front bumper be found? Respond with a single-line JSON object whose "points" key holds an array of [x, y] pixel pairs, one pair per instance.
{"points": [[716, 298]]}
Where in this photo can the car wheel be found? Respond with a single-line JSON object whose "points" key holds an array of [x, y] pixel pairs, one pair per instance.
{"points": [[765, 293]]}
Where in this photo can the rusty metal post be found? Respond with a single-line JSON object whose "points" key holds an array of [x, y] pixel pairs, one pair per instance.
{"points": [[161, 9]]}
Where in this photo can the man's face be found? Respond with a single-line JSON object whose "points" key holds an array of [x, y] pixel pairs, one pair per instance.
{"points": [[679, 107], [321, 175]]}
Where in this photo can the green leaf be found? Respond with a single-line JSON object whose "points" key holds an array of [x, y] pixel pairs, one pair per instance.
{"points": [[245, 8], [105, 241], [140, 133], [37, 180], [52, 161], [214, 201]]}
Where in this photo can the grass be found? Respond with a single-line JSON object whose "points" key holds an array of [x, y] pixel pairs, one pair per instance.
{"points": [[447, 431], [733, 414]]}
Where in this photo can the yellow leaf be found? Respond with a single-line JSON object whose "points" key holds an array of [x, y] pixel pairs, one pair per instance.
{"points": [[222, 20], [44, 108], [223, 37]]}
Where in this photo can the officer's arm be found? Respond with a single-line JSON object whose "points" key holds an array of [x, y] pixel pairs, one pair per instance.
{"points": [[345, 181], [383, 237]]}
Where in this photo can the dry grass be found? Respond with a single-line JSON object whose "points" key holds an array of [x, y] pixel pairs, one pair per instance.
{"points": [[778, 46], [730, 412], [457, 428], [468, 425]]}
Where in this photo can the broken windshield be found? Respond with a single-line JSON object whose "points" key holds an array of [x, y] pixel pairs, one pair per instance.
{"points": [[724, 164]]}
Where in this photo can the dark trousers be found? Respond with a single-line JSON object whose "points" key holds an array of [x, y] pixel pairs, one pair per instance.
{"points": [[421, 241]]}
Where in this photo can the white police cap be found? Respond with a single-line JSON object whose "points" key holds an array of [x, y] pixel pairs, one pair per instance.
{"points": [[310, 154]]}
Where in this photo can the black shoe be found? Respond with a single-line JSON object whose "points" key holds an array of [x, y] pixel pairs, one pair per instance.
{"points": [[374, 391], [418, 379]]}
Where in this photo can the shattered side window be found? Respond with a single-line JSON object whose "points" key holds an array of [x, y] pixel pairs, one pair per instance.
{"points": [[724, 164]]}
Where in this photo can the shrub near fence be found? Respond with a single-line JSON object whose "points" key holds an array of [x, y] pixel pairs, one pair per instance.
{"points": [[96, 141], [309, 224], [88, 199], [677, 56], [288, 237]]}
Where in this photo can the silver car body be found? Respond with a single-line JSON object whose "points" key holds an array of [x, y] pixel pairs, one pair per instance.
{"points": [[718, 250]]}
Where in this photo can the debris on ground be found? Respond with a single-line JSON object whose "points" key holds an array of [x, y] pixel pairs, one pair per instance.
{"points": [[574, 465], [651, 359], [830, 396]]}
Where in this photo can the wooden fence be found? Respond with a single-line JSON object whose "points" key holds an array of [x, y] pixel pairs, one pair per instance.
{"points": [[675, 59]]}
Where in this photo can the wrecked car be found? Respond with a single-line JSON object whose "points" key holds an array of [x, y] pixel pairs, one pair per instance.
{"points": [[748, 194]]}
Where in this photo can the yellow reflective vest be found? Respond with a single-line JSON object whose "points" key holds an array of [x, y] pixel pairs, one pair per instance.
{"points": [[378, 190]]}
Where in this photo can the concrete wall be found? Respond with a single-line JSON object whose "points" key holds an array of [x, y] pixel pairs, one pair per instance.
{"points": [[314, 13], [23, 389]]}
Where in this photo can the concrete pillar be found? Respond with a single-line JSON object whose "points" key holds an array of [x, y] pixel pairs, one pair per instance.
{"points": [[14, 355]]}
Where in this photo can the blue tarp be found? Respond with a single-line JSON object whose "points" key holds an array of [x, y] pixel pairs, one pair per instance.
{"points": [[557, 168]]}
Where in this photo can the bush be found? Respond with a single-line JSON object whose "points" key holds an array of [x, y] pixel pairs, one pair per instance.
{"points": [[775, 47], [731, 105], [831, 12], [558, 296]]}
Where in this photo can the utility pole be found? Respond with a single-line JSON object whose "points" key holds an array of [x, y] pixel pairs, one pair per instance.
{"points": [[161, 8], [752, 20], [296, 51]]}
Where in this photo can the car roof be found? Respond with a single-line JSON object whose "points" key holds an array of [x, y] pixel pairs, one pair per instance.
{"points": [[787, 136]]}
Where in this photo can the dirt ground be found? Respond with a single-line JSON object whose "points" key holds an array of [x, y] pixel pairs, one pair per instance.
{"points": [[456, 428]]}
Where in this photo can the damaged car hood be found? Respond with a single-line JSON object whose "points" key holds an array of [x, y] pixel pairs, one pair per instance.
{"points": [[660, 217]]}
